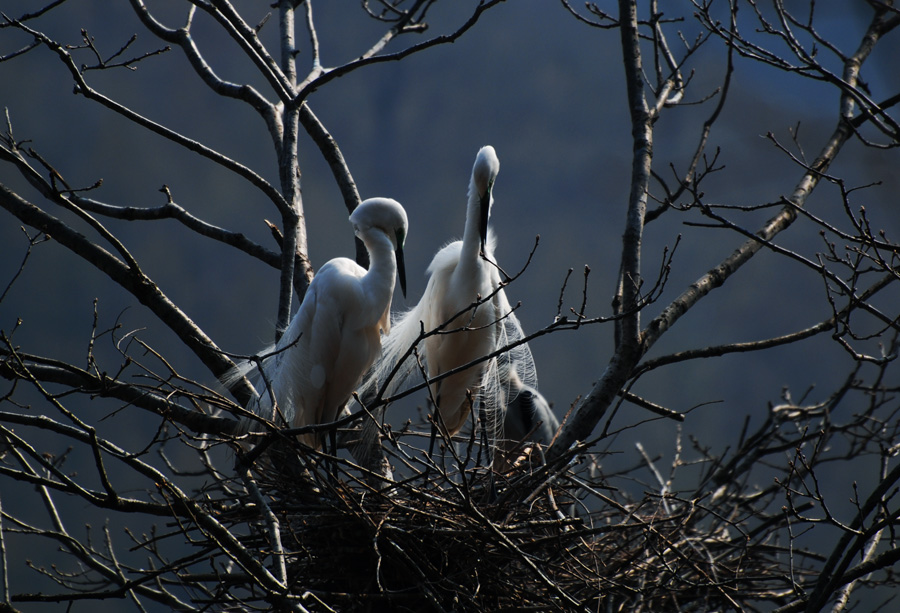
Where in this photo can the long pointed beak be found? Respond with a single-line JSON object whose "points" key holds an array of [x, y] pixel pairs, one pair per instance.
{"points": [[485, 210], [401, 269]]}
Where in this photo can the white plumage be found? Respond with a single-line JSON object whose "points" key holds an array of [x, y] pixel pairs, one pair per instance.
{"points": [[335, 336], [462, 273]]}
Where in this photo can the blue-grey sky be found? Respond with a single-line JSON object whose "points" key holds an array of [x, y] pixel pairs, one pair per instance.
{"points": [[546, 91]]}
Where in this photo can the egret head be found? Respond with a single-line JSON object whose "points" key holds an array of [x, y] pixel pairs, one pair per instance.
{"points": [[483, 175], [387, 216]]}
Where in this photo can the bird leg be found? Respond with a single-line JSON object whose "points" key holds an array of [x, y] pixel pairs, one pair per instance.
{"points": [[433, 436], [490, 493], [431, 439], [332, 457], [435, 420], [485, 438], [437, 425]]}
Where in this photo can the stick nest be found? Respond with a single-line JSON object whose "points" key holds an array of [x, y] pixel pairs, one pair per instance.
{"points": [[540, 537]]}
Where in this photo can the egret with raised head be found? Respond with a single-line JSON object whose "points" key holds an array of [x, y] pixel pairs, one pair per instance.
{"points": [[465, 302], [336, 334]]}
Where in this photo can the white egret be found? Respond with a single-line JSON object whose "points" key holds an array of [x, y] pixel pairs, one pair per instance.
{"points": [[528, 418], [335, 336], [462, 275]]}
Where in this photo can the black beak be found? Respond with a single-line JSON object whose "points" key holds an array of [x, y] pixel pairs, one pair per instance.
{"points": [[485, 210], [401, 269]]}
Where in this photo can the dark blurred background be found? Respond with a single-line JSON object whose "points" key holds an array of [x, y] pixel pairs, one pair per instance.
{"points": [[545, 90]]}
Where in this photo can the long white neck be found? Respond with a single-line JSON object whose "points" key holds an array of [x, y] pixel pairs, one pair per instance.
{"points": [[471, 246], [380, 278]]}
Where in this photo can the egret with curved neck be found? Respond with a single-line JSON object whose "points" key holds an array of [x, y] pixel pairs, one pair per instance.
{"points": [[336, 334]]}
